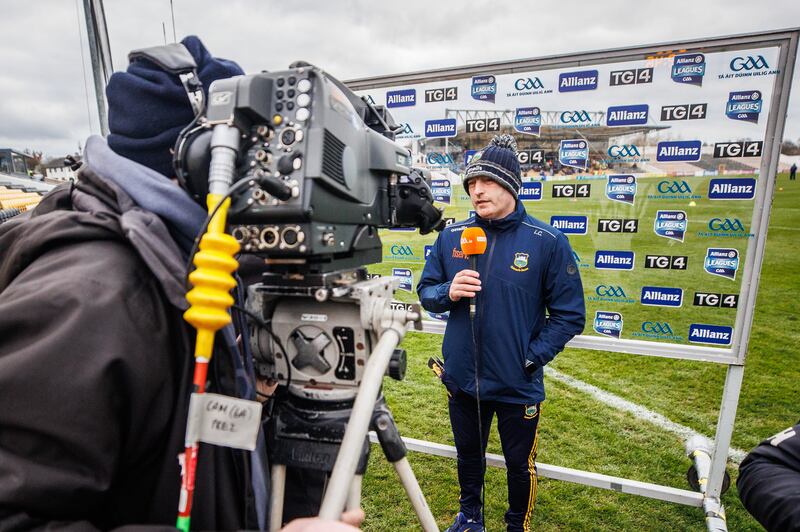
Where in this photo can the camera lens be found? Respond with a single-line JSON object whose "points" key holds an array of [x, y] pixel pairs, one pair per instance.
{"points": [[287, 137]]}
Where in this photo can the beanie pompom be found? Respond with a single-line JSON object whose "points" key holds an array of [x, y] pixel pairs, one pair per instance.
{"points": [[504, 141]]}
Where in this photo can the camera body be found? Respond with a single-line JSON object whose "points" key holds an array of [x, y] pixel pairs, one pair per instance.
{"points": [[329, 171]]}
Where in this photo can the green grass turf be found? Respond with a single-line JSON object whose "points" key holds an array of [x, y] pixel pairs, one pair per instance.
{"points": [[577, 431]]}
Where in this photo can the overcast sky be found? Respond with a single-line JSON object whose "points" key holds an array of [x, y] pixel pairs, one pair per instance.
{"points": [[43, 95]]}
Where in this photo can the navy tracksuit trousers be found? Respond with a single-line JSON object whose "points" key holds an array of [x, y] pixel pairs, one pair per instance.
{"points": [[518, 428]]}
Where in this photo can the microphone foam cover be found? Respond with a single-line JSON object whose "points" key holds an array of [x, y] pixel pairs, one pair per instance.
{"points": [[473, 241]]}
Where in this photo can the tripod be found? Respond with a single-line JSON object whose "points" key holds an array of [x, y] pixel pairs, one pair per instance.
{"points": [[319, 454], [337, 334]]}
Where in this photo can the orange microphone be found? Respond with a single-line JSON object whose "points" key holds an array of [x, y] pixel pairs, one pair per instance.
{"points": [[473, 243]]}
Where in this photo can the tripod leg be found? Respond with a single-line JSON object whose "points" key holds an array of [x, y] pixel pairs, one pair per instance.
{"points": [[276, 500], [354, 497], [415, 495], [395, 451]]}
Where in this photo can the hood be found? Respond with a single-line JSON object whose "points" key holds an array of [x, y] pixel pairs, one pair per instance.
{"points": [[148, 189]]}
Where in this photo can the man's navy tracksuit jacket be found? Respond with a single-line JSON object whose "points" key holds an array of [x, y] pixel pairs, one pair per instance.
{"points": [[528, 267]]}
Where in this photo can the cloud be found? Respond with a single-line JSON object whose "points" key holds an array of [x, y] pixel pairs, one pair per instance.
{"points": [[42, 85]]}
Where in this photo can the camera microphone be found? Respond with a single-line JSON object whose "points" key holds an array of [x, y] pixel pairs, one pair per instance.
{"points": [[473, 243]]}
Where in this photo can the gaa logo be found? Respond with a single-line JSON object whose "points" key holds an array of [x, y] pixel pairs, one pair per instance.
{"points": [[528, 84], [575, 117], [626, 150], [718, 224], [439, 159], [401, 251], [656, 327], [609, 291], [749, 63], [405, 131], [676, 187]]}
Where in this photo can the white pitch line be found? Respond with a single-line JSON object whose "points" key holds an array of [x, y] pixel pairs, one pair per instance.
{"points": [[734, 455]]}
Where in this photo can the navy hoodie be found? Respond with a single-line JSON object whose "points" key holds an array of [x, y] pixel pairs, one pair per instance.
{"points": [[527, 272]]}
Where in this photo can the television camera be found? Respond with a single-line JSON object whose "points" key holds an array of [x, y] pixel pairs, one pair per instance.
{"points": [[312, 172]]}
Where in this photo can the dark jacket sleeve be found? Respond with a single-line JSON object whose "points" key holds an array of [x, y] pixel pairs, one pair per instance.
{"points": [[769, 481], [86, 392], [433, 287], [563, 292]]}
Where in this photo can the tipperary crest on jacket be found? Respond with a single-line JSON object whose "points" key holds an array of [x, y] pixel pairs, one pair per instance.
{"points": [[520, 262]]}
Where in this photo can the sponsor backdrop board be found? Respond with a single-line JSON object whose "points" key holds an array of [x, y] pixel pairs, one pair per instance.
{"points": [[649, 166]]}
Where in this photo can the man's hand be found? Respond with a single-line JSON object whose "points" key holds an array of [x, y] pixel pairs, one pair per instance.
{"points": [[465, 284], [350, 522]]}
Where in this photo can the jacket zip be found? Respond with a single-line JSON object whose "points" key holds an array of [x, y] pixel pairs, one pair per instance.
{"points": [[479, 342]]}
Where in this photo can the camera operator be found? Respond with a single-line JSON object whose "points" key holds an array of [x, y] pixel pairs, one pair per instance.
{"points": [[769, 481], [95, 358], [528, 268]]}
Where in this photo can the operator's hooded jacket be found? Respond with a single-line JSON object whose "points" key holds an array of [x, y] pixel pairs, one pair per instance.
{"points": [[528, 268], [96, 363]]}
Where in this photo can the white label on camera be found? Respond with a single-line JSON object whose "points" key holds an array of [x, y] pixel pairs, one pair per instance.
{"points": [[314, 317], [222, 420]]}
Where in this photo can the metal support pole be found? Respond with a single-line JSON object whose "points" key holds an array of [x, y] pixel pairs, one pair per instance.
{"points": [[699, 451], [100, 54], [722, 441], [585, 478]]}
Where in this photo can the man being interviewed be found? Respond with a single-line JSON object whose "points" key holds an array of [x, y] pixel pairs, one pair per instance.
{"points": [[528, 268]]}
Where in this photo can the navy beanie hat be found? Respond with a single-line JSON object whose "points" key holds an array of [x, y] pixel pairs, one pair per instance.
{"points": [[497, 161], [148, 107]]}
